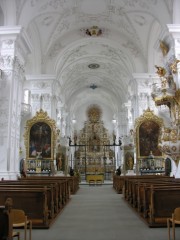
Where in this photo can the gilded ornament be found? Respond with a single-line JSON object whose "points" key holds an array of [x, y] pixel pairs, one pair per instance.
{"points": [[174, 148], [166, 148], [173, 66], [160, 71], [164, 48], [40, 117], [177, 96], [154, 121], [165, 134], [94, 113], [173, 135]]}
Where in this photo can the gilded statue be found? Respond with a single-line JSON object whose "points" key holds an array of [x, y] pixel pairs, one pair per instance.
{"points": [[173, 66], [164, 48], [129, 161], [160, 71], [174, 135]]}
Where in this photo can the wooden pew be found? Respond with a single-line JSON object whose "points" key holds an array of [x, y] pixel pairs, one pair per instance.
{"points": [[63, 187], [130, 181], [163, 201], [60, 191], [57, 196], [146, 191], [51, 192], [138, 188], [32, 200], [118, 183], [72, 180], [140, 196]]}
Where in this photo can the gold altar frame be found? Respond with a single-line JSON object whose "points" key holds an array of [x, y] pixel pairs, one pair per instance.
{"points": [[42, 120], [147, 117]]}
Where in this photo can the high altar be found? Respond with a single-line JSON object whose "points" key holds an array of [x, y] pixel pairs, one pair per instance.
{"points": [[95, 155]]}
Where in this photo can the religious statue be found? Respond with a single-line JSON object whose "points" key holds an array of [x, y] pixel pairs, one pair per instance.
{"points": [[164, 48], [129, 161], [160, 71]]}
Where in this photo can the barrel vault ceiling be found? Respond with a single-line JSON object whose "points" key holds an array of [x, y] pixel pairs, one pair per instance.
{"points": [[94, 69]]}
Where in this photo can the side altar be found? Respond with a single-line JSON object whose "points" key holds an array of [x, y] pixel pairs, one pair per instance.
{"points": [[150, 159], [40, 141]]}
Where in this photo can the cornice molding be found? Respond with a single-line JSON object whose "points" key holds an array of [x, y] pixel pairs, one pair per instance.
{"points": [[144, 75], [40, 77], [10, 30], [174, 29]]}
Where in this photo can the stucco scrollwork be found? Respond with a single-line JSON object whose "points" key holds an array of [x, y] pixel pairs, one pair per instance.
{"points": [[8, 44]]}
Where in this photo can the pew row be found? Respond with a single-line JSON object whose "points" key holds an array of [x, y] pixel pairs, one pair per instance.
{"points": [[32, 200], [153, 197], [73, 181], [163, 201], [41, 199]]}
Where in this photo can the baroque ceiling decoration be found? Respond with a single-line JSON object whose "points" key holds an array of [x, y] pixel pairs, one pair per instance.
{"points": [[70, 35]]}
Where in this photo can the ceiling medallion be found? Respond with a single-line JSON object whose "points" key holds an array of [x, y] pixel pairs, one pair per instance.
{"points": [[93, 66], [93, 31]]}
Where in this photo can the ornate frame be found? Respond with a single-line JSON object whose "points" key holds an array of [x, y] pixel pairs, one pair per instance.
{"points": [[147, 117], [46, 126]]}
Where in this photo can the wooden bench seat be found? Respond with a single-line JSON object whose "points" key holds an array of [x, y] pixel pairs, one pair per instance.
{"points": [[73, 181], [118, 183], [51, 192], [62, 189], [41, 198], [154, 198], [163, 201], [32, 200]]}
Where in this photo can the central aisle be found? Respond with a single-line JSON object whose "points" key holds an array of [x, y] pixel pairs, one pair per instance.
{"points": [[98, 213]]}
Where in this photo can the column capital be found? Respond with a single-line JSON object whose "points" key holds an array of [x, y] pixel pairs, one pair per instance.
{"points": [[14, 41]]}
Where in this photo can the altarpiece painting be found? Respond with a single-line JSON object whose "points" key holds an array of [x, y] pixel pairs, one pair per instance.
{"points": [[148, 129], [40, 142]]}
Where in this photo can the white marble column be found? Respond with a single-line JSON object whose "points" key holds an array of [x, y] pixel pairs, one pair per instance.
{"points": [[174, 29], [12, 56]]}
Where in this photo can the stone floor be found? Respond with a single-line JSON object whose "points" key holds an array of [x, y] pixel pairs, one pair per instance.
{"points": [[98, 213]]}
